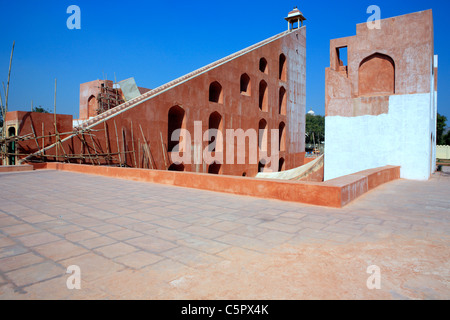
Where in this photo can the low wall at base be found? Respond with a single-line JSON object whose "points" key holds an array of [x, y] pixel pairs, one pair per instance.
{"points": [[334, 193], [443, 152], [18, 168]]}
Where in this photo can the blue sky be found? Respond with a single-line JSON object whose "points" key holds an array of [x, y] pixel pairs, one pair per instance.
{"points": [[158, 41]]}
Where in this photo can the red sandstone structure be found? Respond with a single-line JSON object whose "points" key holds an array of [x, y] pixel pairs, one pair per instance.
{"points": [[99, 96], [389, 83], [381, 107], [29, 125], [260, 88]]}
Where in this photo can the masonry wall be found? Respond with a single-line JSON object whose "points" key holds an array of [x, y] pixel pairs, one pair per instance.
{"points": [[399, 138], [443, 152], [39, 124], [88, 97], [381, 108], [237, 110]]}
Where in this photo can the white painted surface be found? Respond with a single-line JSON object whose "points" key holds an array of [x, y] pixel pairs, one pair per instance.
{"points": [[402, 137]]}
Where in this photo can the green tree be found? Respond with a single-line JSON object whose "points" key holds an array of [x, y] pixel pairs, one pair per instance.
{"points": [[40, 109], [446, 139], [441, 124], [315, 127]]}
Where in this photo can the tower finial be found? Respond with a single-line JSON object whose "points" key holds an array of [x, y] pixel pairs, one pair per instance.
{"points": [[295, 16]]}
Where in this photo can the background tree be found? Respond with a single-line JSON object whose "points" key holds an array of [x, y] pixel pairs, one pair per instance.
{"points": [[441, 124], [41, 109], [446, 139], [315, 126]]}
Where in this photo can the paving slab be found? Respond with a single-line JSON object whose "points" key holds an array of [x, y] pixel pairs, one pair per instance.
{"points": [[134, 240]]}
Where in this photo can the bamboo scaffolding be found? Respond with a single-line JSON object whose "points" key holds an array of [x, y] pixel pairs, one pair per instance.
{"points": [[118, 147], [163, 150], [124, 146], [9, 77], [146, 148], [35, 138], [132, 141], [71, 156], [86, 146], [1, 109], [106, 140], [30, 136], [139, 152], [43, 141], [87, 152], [95, 150], [56, 129]]}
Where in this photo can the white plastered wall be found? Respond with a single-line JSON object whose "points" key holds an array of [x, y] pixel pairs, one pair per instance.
{"points": [[402, 137]]}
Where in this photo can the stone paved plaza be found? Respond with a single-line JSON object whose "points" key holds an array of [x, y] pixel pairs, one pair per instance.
{"points": [[136, 240]]}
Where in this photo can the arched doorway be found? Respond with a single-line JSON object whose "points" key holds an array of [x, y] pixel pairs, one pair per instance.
{"points": [[215, 92], [12, 147], [215, 123], [281, 164], [282, 67], [263, 99], [282, 136], [214, 168], [92, 106], [176, 120], [176, 167]]}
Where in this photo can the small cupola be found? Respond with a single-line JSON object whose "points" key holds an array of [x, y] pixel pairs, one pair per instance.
{"points": [[295, 16]]}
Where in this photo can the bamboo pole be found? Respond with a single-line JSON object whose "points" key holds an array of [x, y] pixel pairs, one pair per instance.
{"points": [[87, 147], [95, 149], [132, 141], [9, 77], [34, 133], [68, 156], [4, 92], [43, 141], [139, 151], [146, 148], [30, 136], [124, 146], [3, 111], [163, 150], [106, 140], [118, 147], [56, 129]]}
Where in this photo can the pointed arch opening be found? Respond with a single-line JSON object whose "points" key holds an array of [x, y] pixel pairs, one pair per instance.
{"points": [[12, 147], [176, 167], [245, 85], [263, 96], [263, 66], [262, 135], [215, 92], [261, 166], [92, 106], [215, 122], [282, 103], [176, 120], [282, 67], [214, 168], [282, 136], [376, 75], [281, 166]]}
